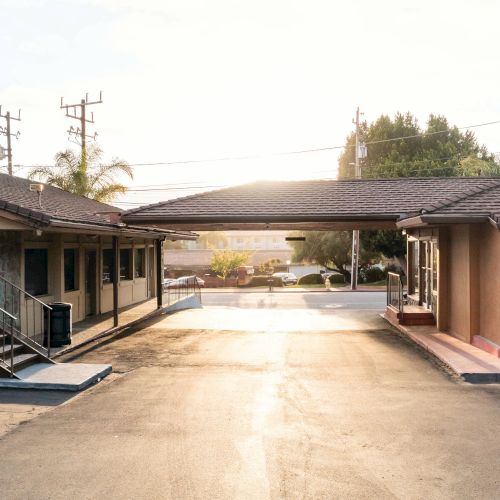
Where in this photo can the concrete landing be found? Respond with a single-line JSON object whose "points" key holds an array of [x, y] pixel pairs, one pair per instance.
{"points": [[59, 376], [470, 363]]}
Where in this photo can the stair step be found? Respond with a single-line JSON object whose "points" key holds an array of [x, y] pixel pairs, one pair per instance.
{"points": [[24, 359], [6, 349]]}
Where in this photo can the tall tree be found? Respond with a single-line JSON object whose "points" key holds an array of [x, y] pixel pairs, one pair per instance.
{"points": [[330, 249], [85, 175], [433, 151], [438, 150]]}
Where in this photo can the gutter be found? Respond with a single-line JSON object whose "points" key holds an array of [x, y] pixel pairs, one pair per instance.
{"points": [[117, 231], [432, 219]]}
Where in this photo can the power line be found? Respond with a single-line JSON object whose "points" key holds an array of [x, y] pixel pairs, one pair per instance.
{"points": [[426, 134], [284, 153]]}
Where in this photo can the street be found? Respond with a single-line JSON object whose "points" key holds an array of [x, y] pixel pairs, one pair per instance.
{"points": [[260, 396]]}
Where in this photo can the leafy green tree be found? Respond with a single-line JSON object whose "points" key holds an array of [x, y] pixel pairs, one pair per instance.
{"points": [[85, 175], [267, 267], [435, 150], [330, 249], [225, 261], [473, 166], [439, 150]]}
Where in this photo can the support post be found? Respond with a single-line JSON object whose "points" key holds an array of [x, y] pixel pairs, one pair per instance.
{"points": [[159, 273], [116, 277], [355, 233]]}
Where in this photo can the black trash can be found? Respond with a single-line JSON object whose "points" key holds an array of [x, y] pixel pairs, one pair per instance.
{"points": [[60, 324]]}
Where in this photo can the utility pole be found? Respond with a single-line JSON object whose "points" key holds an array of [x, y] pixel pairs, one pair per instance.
{"points": [[7, 132], [355, 233], [81, 115]]}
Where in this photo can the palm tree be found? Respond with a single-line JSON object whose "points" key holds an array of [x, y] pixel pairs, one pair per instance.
{"points": [[85, 175]]}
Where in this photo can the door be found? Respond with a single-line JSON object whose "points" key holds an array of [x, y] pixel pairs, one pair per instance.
{"points": [[90, 282]]}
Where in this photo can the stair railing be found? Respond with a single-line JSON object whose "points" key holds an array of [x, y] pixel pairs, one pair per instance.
{"points": [[395, 293], [32, 316], [175, 290], [7, 321]]}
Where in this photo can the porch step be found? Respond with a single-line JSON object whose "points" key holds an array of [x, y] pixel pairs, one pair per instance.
{"points": [[413, 317], [6, 349], [23, 360]]}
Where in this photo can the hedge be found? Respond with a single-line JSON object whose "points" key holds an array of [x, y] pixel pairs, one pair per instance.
{"points": [[263, 281], [336, 278], [311, 279]]}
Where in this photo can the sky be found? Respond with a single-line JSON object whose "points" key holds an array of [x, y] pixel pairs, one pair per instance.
{"points": [[202, 80]]}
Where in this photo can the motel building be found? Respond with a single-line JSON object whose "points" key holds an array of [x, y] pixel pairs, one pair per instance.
{"points": [[57, 247]]}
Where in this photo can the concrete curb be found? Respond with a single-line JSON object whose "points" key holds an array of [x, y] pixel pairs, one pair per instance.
{"points": [[478, 377]]}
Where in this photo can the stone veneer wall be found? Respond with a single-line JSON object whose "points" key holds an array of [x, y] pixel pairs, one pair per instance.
{"points": [[10, 256]]}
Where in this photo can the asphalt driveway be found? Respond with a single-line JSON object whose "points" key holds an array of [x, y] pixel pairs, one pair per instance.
{"points": [[262, 402]]}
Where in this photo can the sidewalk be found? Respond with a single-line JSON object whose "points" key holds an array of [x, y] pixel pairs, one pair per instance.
{"points": [[468, 362], [284, 289]]}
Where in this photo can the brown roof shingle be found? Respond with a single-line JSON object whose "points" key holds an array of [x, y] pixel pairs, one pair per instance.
{"points": [[389, 199]]}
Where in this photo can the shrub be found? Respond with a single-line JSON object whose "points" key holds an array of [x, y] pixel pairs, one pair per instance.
{"points": [[336, 278], [372, 274], [311, 279], [263, 281]]}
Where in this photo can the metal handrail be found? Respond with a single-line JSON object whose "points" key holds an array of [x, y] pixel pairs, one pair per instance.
{"points": [[31, 332], [181, 288], [25, 293], [395, 293], [11, 318]]}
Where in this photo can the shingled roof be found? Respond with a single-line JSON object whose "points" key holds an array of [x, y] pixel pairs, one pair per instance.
{"points": [[329, 201], [56, 207]]}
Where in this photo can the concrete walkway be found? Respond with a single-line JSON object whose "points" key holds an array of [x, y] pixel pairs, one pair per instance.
{"points": [[472, 364], [59, 376]]}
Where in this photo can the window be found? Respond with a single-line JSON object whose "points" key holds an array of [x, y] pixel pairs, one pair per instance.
{"points": [[70, 269], [140, 263], [36, 271], [108, 266], [126, 264]]}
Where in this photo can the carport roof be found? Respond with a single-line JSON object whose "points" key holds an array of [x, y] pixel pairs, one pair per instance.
{"points": [[327, 204]]}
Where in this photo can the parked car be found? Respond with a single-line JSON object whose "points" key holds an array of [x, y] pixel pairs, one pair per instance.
{"points": [[183, 280], [287, 278]]}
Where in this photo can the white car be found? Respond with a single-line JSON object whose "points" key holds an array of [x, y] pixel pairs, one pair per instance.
{"points": [[287, 278]]}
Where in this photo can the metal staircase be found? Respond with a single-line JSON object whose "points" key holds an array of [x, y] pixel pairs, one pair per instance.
{"points": [[23, 320]]}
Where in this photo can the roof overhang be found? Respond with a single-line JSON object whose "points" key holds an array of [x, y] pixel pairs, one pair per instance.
{"points": [[423, 220], [259, 222], [123, 230]]}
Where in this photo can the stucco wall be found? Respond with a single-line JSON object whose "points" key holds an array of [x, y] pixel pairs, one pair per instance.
{"points": [[459, 282], [10, 256], [489, 269]]}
